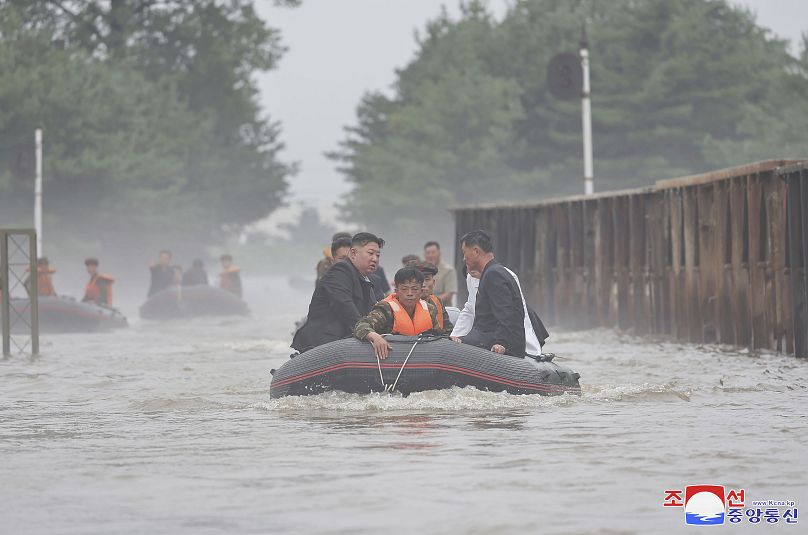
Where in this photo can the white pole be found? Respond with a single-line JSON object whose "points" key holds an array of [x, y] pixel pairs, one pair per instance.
{"points": [[38, 193], [586, 118]]}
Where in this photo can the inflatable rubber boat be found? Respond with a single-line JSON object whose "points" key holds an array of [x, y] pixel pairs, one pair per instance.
{"points": [[415, 365], [190, 302], [64, 314]]}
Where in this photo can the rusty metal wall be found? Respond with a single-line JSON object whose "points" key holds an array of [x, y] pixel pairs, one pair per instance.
{"points": [[713, 258]]}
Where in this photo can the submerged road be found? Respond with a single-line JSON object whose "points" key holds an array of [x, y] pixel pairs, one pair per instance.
{"points": [[168, 428]]}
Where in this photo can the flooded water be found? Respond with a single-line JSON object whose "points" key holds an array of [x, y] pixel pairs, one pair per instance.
{"points": [[170, 429]]}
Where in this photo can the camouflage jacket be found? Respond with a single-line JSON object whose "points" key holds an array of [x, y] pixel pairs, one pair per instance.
{"points": [[380, 320]]}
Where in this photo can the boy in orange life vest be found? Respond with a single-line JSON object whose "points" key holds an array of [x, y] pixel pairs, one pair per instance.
{"points": [[44, 278], [403, 312], [229, 278], [99, 289], [429, 270]]}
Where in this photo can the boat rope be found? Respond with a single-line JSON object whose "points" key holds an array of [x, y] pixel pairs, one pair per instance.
{"points": [[392, 388], [379, 364]]}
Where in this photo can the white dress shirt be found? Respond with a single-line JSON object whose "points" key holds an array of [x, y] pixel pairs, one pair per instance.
{"points": [[466, 318]]}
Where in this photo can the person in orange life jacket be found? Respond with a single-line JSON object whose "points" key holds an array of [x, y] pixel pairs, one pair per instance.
{"points": [[99, 289], [429, 270], [403, 312], [44, 278], [229, 278]]}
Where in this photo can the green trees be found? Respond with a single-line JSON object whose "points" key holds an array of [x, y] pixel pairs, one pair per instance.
{"points": [[678, 87], [150, 114]]}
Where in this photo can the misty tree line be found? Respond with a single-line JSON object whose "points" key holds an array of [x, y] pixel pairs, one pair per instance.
{"points": [[153, 126], [677, 88], [150, 112]]}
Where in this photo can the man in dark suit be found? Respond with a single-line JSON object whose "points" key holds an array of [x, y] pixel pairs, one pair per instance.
{"points": [[342, 296], [499, 318]]}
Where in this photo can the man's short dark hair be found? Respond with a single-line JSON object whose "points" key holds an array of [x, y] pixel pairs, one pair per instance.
{"points": [[363, 238], [407, 258], [408, 274], [91, 262], [339, 243], [431, 243], [424, 267], [226, 257], [478, 238], [340, 235], [42, 260]]}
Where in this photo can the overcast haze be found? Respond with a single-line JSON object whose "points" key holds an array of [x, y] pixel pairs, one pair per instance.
{"points": [[340, 49]]}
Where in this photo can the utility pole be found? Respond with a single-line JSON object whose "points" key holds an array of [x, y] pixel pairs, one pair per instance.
{"points": [[586, 117], [38, 193]]}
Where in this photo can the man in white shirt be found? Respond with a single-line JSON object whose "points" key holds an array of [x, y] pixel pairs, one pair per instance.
{"points": [[466, 318]]}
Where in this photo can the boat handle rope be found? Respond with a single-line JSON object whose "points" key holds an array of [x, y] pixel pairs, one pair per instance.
{"points": [[392, 388], [379, 364]]}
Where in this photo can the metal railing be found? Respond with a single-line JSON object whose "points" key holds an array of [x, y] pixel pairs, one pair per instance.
{"points": [[18, 303]]}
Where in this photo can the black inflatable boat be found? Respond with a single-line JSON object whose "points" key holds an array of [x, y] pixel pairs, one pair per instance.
{"points": [[434, 363], [191, 302], [65, 314]]}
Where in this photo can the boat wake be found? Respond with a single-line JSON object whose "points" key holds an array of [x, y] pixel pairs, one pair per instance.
{"points": [[467, 399]]}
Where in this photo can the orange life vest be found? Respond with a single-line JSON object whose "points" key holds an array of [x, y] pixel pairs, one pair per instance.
{"points": [[44, 281], [403, 323], [439, 305], [92, 292]]}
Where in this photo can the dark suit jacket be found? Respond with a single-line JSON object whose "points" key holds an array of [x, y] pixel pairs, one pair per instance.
{"points": [[499, 317], [340, 298]]}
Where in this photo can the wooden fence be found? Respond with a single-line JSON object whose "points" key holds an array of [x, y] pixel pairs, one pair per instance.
{"points": [[719, 257]]}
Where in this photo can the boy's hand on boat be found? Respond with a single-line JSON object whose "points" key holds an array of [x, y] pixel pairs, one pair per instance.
{"points": [[380, 346], [456, 339], [499, 349]]}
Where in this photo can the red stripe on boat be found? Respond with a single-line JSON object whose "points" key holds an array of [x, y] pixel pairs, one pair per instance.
{"points": [[443, 367]]}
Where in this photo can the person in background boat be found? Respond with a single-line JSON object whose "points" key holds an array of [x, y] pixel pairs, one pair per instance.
{"points": [[99, 288], [402, 312], [44, 278], [429, 270], [446, 279], [342, 296], [196, 276], [328, 259], [408, 259], [162, 274], [230, 277], [499, 319]]}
